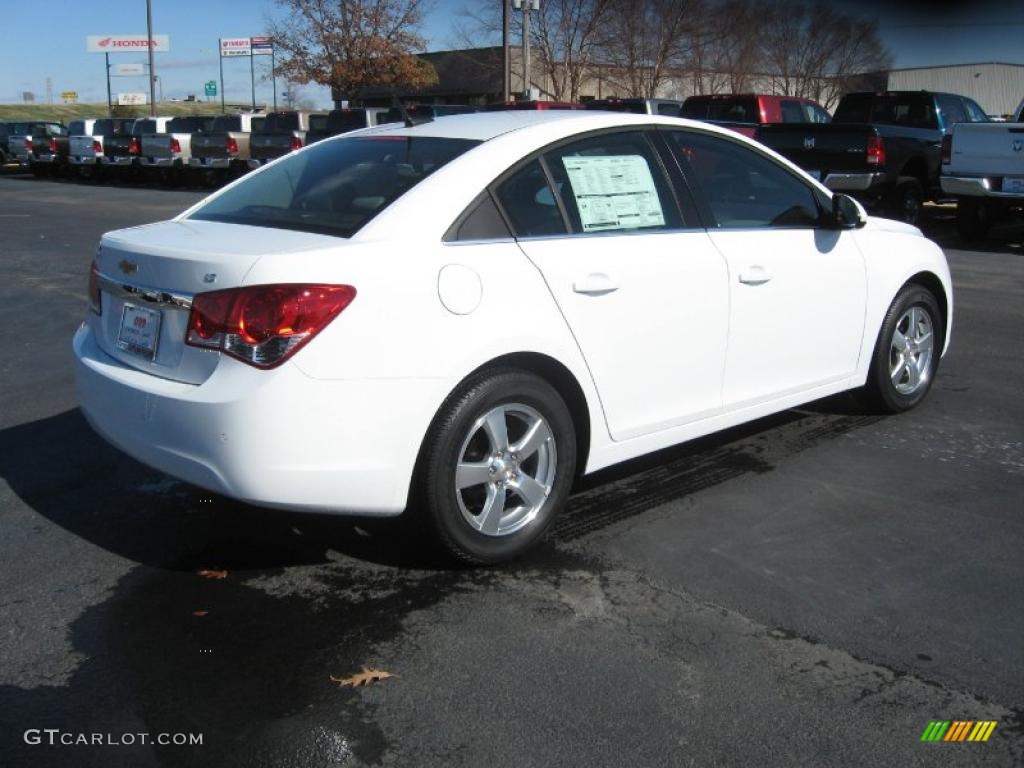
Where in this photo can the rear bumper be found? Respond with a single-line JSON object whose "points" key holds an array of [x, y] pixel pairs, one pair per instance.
{"points": [[256, 162], [976, 186], [276, 438], [211, 163], [854, 182], [117, 160], [47, 159], [161, 162], [77, 160]]}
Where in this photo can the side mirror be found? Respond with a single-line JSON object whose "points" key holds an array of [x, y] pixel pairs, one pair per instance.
{"points": [[847, 212]]}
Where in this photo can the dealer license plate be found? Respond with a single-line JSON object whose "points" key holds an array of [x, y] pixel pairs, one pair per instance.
{"points": [[139, 332]]}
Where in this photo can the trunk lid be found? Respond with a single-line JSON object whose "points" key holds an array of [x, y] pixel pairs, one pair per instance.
{"points": [[265, 146], [82, 146], [832, 147], [209, 145], [151, 268]]}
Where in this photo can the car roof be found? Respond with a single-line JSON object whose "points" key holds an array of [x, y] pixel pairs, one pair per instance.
{"points": [[484, 126]]}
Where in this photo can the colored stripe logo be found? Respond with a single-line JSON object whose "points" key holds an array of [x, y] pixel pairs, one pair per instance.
{"points": [[958, 730]]}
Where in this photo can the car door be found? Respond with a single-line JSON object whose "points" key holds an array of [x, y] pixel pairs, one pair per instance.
{"points": [[642, 288], [797, 289]]}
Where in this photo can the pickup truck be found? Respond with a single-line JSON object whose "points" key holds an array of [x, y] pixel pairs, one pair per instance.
{"points": [[745, 112], [86, 141], [505, 106], [40, 147], [168, 153], [983, 168], [6, 131], [883, 148], [283, 132], [225, 148], [667, 107], [340, 121], [121, 152]]}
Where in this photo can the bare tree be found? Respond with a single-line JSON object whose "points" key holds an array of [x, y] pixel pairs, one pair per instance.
{"points": [[646, 41], [815, 51], [567, 34], [351, 44]]}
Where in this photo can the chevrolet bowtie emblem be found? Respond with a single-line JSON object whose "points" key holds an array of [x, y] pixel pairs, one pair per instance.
{"points": [[128, 267]]}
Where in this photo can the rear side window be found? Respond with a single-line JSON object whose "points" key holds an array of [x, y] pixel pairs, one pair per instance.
{"points": [[816, 114], [613, 182], [530, 204], [792, 112], [742, 188], [975, 113], [334, 187], [952, 110]]}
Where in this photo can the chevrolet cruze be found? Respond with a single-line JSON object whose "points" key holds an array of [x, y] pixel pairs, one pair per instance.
{"points": [[457, 318]]}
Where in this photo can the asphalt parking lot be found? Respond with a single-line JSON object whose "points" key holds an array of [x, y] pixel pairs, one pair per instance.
{"points": [[809, 590]]}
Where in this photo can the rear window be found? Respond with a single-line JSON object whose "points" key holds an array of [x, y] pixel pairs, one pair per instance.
{"points": [[103, 128], [190, 124], [226, 123], [349, 120], [281, 121], [257, 123], [910, 109], [18, 129], [626, 105], [76, 128], [144, 126], [334, 187], [734, 110]]}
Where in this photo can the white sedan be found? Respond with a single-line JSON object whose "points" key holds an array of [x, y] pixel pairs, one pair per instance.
{"points": [[462, 316]]}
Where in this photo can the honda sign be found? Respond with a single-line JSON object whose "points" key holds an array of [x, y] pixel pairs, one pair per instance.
{"points": [[126, 43]]}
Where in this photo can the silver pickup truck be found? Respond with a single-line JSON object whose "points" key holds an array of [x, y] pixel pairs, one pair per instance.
{"points": [[87, 138], [283, 132], [167, 154], [225, 148], [983, 168], [25, 146]]}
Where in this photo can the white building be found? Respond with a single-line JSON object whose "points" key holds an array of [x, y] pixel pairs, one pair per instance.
{"points": [[997, 87]]}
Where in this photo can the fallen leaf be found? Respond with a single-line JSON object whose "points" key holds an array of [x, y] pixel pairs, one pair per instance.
{"points": [[362, 678], [199, 613], [207, 573]]}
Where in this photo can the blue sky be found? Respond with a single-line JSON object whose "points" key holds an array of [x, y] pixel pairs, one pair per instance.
{"points": [[919, 33]]}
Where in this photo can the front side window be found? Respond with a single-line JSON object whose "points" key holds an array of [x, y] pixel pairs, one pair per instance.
{"points": [[613, 182], [743, 188], [334, 187], [975, 113], [952, 110], [791, 112], [816, 114]]}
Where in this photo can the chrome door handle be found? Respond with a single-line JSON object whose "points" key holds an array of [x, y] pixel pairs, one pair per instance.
{"points": [[756, 275], [595, 284]]}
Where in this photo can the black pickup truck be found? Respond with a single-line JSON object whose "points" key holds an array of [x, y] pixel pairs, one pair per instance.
{"points": [[883, 148]]}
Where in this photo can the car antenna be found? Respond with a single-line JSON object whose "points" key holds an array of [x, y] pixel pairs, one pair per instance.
{"points": [[408, 119]]}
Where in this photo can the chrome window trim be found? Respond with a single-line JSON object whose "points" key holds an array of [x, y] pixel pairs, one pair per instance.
{"points": [[156, 296]]}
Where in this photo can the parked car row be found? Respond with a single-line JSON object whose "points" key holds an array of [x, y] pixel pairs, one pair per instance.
{"points": [[888, 149]]}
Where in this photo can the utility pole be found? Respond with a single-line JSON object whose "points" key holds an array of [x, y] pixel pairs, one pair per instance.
{"points": [[152, 66], [110, 108], [220, 58], [506, 66]]}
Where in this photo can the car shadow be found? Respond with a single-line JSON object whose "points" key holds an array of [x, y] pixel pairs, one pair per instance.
{"points": [[63, 471]]}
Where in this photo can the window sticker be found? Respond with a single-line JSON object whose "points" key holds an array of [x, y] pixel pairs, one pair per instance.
{"points": [[614, 192]]}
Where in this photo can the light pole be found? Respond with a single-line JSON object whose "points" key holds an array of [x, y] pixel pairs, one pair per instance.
{"points": [[526, 6], [152, 67], [506, 74]]}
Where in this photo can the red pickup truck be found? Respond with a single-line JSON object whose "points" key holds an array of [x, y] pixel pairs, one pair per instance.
{"points": [[744, 112]]}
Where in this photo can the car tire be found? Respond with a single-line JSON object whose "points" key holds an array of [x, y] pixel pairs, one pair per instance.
{"points": [[907, 352], [511, 431], [973, 219], [906, 201]]}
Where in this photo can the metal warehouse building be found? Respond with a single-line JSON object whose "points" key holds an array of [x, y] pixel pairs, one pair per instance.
{"points": [[996, 86]]}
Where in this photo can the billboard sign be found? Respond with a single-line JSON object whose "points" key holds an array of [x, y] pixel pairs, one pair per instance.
{"points": [[126, 43], [235, 46], [131, 99], [262, 46], [211, 87], [128, 70], [69, 97]]}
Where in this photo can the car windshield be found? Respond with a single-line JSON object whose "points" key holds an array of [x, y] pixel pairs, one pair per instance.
{"points": [[334, 187]]}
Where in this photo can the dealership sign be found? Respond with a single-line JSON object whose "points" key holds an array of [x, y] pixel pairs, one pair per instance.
{"points": [[128, 70], [235, 46], [126, 43], [262, 46], [131, 99]]}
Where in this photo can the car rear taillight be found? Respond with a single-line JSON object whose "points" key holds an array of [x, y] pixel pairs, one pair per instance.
{"points": [[28, 145], [175, 145], [97, 148], [94, 289], [52, 143], [231, 145], [947, 149], [876, 150], [296, 143], [134, 147], [264, 325]]}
